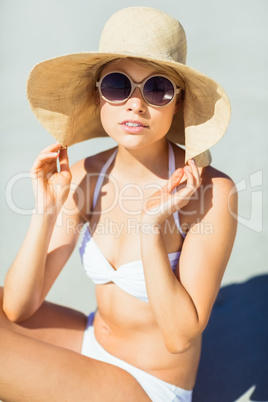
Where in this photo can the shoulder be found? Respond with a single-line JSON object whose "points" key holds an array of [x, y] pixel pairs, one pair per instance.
{"points": [[222, 198], [215, 184], [215, 201], [217, 178], [90, 165], [221, 186]]}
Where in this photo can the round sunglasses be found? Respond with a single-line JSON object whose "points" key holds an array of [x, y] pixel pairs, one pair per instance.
{"points": [[156, 90]]}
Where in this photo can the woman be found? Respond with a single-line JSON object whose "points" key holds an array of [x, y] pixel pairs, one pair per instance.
{"points": [[158, 234]]}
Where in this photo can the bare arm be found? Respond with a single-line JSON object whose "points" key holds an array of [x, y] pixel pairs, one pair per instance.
{"points": [[47, 246], [182, 304]]}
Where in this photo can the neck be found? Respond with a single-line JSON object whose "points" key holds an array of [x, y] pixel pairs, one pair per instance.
{"points": [[143, 161]]}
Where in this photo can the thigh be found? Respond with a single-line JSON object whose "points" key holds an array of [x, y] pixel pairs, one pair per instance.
{"points": [[38, 360], [34, 370], [55, 324], [52, 323]]}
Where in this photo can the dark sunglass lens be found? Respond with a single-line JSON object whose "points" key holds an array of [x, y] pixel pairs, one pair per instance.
{"points": [[158, 91], [115, 87]]}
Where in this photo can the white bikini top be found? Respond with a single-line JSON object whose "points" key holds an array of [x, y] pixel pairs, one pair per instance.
{"points": [[130, 276]]}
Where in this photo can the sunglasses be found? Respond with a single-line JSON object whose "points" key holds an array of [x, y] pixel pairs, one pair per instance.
{"points": [[156, 90]]}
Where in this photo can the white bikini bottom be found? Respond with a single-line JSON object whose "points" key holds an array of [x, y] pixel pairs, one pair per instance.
{"points": [[156, 389]]}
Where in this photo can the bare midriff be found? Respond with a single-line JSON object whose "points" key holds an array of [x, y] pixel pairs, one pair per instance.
{"points": [[125, 327]]}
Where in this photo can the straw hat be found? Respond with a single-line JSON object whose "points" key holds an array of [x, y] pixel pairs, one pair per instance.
{"points": [[61, 90]]}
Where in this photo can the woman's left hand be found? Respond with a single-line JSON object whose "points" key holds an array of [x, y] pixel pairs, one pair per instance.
{"points": [[164, 202]]}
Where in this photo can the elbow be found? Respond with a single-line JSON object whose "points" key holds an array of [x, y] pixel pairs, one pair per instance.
{"points": [[4, 306], [179, 345], [11, 317], [17, 308], [11, 314], [15, 314]]}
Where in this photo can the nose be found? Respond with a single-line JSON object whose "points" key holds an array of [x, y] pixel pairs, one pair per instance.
{"points": [[136, 103]]}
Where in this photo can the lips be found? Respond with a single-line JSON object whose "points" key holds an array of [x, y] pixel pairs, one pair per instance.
{"points": [[133, 126], [133, 123], [129, 124]]}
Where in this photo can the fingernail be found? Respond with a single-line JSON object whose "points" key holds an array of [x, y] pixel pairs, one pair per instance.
{"points": [[192, 161], [188, 169]]}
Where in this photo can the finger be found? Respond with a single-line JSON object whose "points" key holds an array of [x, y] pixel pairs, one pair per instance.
{"points": [[190, 178], [174, 180], [195, 171], [45, 159], [183, 196], [64, 160], [52, 148]]}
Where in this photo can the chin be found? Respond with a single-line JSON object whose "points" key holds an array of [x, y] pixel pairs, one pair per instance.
{"points": [[135, 141]]}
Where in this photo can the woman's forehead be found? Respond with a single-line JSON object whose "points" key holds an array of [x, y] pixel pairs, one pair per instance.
{"points": [[128, 66]]}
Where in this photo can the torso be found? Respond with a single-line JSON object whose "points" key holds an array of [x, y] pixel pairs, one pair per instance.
{"points": [[124, 325]]}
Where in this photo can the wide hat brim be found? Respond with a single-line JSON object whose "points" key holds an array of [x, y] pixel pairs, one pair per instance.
{"points": [[61, 92]]}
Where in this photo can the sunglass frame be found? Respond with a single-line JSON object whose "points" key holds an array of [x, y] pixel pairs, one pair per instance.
{"points": [[139, 85]]}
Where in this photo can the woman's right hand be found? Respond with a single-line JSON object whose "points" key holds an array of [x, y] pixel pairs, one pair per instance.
{"points": [[51, 186]]}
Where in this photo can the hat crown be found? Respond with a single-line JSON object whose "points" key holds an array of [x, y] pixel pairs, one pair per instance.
{"points": [[144, 32]]}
